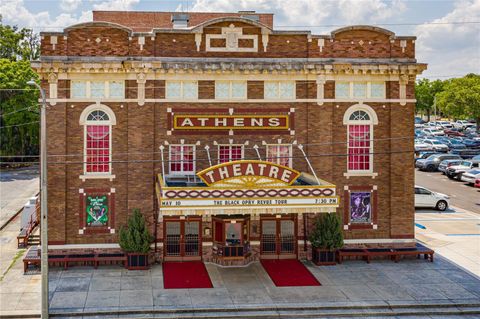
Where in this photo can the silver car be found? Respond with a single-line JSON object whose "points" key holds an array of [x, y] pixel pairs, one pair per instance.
{"points": [[470, 176]]}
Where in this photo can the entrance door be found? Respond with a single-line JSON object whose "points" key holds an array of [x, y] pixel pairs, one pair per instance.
{"points": [[182, 240], [278, 239]]}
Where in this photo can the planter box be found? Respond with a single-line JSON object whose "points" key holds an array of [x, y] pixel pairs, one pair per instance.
{"points": [[323, 257], [137, 261]]}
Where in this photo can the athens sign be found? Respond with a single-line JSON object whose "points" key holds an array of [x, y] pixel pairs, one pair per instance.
{"points": [[230, 122], [249, 174]]}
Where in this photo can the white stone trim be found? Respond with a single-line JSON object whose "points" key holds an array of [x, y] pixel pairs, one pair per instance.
{"points": [[360, 107], [83, 177], [231, 34], [360, 174]]}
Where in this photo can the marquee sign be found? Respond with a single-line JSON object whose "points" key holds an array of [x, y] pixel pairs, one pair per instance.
{"points": [[231, 122], [249, 174]]}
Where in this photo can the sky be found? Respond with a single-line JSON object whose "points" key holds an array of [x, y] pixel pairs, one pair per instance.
{"points": [[448, 31]]}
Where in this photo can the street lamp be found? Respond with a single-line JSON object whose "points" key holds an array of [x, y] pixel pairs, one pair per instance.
{"points": [[43, 200]]}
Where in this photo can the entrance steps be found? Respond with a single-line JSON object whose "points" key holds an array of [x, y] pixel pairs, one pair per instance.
{"points": [[300, 311]]}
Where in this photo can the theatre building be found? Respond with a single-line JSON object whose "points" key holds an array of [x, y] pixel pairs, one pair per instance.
{"points": [[229, 135]]}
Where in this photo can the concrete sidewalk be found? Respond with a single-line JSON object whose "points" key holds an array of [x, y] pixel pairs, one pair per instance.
{"points": [[112, 288]]}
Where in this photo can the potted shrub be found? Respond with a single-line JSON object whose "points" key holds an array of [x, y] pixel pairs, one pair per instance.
{"points": [[135, 241], [326, 238]]}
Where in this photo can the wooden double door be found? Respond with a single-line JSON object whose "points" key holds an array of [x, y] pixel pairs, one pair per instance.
{"points": [[182, 239], [278, 238]]}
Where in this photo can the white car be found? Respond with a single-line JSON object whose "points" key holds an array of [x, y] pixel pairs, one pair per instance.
{"points": [[436, 145], [462, 124], [420, 146], [433, 125], [456, 171], [470, 176], [433, 132], [427, 198]]}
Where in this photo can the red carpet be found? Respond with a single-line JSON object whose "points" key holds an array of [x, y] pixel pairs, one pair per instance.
{"points": [[191, 274], [288, 273]]}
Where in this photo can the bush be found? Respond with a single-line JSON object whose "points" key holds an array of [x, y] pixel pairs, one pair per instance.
{"points": [[327, 232], [135, 238]]}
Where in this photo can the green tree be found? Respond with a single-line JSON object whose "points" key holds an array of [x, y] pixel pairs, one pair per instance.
{"points": [[19, 131], [327, 232], [425, 92], [135, 238], [460, 98], [19, 113]]}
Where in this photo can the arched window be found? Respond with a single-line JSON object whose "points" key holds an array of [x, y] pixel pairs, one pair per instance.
{"points": [[97, 121], [360, 120]]}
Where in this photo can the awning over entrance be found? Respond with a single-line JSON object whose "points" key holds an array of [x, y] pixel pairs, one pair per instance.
{"points": [[244, 187]]}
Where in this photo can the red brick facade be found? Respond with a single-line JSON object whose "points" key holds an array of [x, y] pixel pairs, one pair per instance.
{"points": [[142, 49]]}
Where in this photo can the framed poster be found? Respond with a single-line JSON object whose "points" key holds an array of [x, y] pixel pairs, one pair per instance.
{"points": [[360, 207], [97, 210]]}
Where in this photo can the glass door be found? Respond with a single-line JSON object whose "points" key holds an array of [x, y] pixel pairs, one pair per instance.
{"points": [[269, 237], [172, 238], [278, 237], [182, 239]]}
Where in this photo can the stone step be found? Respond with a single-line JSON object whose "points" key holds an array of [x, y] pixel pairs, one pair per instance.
{"points": [[344, 311]]}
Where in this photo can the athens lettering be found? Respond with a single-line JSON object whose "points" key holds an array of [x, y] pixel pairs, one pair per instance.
{"points": [[234, 169], [230, 122]]}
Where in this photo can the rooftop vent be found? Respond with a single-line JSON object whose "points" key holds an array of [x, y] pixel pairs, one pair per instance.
{"points": [[180, 20]]}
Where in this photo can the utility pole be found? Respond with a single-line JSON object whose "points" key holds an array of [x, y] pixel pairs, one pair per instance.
{"points": [[43, 200]]}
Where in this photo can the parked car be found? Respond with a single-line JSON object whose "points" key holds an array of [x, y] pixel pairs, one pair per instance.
{"points": [[465, 153], [420, 133], [418, 120], [424, 155], [456, 171], [453, 132], [433, 132], [420, 145], [455, 144], [427, 198], [446, 164], [471, 176], [462, 124], [475, 160], [445, 124], [469, 143], [432, 162], [433, 125], [436, 145]]}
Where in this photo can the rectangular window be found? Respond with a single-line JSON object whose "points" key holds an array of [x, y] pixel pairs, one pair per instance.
{"points": [[359, 89], [230, 90], [342, 90], [284, 90], [377, 90], [228, 153], [187, 90], [97, 149], [116, 89], [79, 89], [359, 148], [280, 154], [356, 90], [97, 89], [182, 159]]}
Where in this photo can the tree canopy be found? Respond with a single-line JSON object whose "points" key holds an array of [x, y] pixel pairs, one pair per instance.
{"points": [[460, 98], [19, 112], [425, 92]]}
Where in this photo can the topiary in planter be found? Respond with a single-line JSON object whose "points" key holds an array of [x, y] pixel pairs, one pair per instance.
{"points": [[326, 238], [135, 241]]}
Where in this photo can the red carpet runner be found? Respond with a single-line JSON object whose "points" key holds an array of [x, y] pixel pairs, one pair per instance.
{"points": [[288, 273], [192, 274]]}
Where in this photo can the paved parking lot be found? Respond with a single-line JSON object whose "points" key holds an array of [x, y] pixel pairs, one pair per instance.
{"points": [[461, 194]]}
